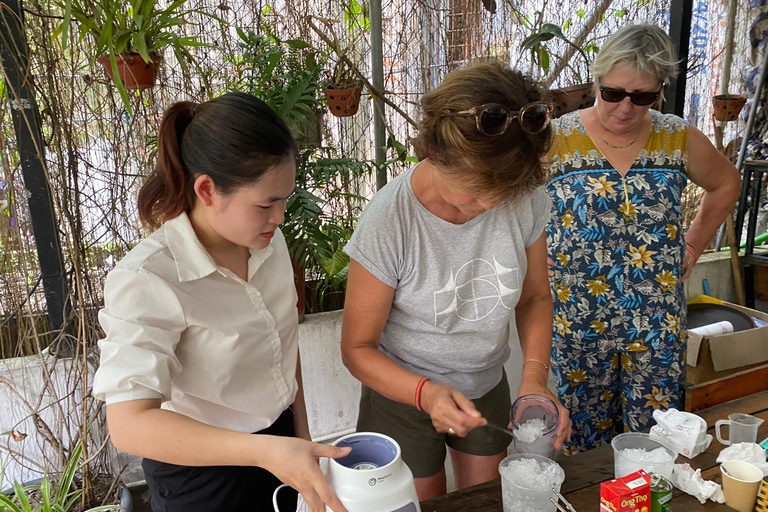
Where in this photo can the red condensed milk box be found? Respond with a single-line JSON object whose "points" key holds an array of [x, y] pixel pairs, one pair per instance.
{"points": [[629, 494]]}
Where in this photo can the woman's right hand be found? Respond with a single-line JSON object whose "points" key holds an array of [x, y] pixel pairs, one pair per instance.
{"points": [[450, 410], [551, 264], [294, 462]]}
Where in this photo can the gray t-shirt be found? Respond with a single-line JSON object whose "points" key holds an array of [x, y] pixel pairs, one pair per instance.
{"points": [[456, 286]]}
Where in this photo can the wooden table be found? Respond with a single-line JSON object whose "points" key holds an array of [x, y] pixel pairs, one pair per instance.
{"points": [[584, 472]]}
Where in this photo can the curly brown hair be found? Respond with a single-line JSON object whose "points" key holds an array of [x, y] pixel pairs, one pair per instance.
{"points": [[506, 166]]}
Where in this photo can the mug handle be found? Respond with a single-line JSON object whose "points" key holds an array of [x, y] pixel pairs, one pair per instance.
{"points": [[718, 424]]}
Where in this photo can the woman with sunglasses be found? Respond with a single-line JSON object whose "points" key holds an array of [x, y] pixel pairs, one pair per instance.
{"points": [[617, 172], [446, 260]]}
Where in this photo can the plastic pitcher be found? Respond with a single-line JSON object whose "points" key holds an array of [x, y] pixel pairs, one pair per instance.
{"points": [[534, 421], [742, 428]]}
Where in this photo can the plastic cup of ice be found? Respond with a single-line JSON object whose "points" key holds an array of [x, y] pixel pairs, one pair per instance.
{"points": [[535, 419], [633, 451], [527, 481], [740, 484]]}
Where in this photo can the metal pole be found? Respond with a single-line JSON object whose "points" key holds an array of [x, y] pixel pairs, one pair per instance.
{"points": [[14, 54], [743, 150], [680, 13], [377, 80]]}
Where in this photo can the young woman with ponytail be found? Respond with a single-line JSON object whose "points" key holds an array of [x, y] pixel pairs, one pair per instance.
{"points": [[201, 330]]}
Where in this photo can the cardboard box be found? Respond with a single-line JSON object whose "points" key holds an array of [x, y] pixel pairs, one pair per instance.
{"points": [[711, 358]]}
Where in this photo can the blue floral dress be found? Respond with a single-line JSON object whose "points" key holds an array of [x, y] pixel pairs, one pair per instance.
{"points": [[619, 329]]}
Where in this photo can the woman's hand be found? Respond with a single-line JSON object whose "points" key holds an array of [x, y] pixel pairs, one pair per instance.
{"points": [[550, 264], [294, 462], [564, 427], [689, 260], [450, 410]]}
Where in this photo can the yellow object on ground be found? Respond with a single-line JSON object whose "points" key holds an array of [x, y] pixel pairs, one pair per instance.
{"points": [[705, 299]]}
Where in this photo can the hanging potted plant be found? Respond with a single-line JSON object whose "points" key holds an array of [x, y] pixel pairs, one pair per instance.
{"points": [[570, 98], [727, 106], [343, 90], [129, 37]]}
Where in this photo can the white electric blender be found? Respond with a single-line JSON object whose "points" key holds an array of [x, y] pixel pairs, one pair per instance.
{"points": [[372, 478]]}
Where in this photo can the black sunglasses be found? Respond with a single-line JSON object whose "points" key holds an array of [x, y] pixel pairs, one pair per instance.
{"points": [[493, 119], [641, 99]]}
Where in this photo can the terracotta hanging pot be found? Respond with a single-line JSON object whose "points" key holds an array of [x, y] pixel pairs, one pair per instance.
{"points": [[728, 106], [573, 98], [133, 71], [343, 102]]}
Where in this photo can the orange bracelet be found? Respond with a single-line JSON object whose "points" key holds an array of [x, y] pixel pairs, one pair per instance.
{"points": [[690, 250], [419, 386]]}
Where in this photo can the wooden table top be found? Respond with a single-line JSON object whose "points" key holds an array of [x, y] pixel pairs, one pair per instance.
{"points": [[585, 471]]}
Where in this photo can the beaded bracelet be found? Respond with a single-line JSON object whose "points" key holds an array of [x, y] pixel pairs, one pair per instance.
{"points": [[419, 386]]}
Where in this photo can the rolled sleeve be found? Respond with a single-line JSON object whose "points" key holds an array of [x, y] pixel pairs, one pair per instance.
{"points": [[142, 320]]}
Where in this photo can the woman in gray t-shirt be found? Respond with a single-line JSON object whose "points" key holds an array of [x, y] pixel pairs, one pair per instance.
{"points": [[445, 260]]}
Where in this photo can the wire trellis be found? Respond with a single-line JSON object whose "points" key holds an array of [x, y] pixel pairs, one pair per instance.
{"points": [[97, 155]]}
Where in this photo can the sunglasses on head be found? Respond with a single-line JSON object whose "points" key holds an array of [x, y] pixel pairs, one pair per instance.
{"points": [[493, 119], [641, 99]]}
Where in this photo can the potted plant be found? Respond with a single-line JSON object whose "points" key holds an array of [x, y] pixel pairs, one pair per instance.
{"points": [[343, 90], [129, 37], [64, 496], [727, 106], [573, 97]]}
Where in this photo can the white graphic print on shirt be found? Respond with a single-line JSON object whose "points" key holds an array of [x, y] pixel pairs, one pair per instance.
{"points": [[476, 290]]}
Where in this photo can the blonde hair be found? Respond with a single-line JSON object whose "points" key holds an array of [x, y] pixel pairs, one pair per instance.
{"points": [[501, 167], [646, 47]]}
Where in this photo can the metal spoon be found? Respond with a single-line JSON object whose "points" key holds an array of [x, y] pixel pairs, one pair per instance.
{"points": [[500, 429]]}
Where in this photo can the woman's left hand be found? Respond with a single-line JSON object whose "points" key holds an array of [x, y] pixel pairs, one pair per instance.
{"points": [[688, 262], [564, 428]]}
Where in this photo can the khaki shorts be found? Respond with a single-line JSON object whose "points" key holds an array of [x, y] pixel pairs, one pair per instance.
{"points": [[423, 447]]}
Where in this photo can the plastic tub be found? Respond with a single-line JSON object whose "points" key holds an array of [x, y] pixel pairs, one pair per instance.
{"points": [[527, 481], [626, 462]]}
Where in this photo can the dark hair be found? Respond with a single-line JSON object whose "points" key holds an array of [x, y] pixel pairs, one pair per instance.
{"points": [[234, 139], [506, 166]]}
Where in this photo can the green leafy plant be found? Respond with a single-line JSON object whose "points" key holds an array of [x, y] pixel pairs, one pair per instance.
{"points": [[51, 499], [283, 73], [137, 27], [542, 55], [328, 290]]}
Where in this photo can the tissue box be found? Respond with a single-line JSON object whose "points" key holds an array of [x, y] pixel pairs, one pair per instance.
{"points": [[726, 354], [631, 493]]}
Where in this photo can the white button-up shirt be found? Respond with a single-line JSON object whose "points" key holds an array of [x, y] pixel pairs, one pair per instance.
{"points": [[208, 344]]}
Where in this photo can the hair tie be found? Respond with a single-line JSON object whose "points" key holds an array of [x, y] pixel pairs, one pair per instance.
{"points": [[194, 109]]}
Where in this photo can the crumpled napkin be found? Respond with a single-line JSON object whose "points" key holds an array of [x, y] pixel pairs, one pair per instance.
{"points": [[746, 452], [678, 430], [690, 481]]}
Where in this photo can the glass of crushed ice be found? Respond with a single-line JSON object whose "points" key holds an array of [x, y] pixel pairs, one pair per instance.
{"points": [[633, 451], [534, 423], [527, 481]]}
